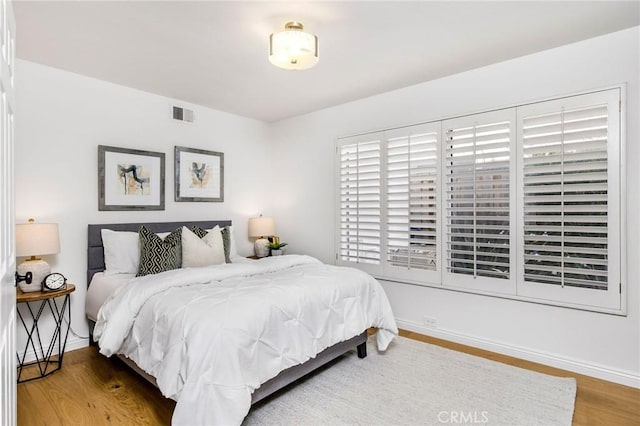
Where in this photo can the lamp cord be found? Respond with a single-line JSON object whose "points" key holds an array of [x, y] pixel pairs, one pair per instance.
{"points": [[73, 331]]}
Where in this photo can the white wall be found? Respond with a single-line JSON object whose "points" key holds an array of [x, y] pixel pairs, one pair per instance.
{"points": [[63, 117], [604, 345]]}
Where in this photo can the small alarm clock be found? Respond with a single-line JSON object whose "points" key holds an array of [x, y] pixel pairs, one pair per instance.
{"points": [[54, 281]]}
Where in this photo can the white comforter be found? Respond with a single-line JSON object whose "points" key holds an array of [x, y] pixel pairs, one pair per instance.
{"points": [[212, 335]]}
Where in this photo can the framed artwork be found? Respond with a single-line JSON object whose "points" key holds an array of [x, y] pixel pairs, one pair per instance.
{"points": [[199, 175], [130, 179]]}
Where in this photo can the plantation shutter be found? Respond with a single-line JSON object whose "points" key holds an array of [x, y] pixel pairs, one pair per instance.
{"points": [[569, 151], [477, 181], [360, 200], [412, 167], [521, 202]]}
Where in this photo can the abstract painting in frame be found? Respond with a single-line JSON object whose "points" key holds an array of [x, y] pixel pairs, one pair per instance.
{"points": [[199, 175], [130, 179]]}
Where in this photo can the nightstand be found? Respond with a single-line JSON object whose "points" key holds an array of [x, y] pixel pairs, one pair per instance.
{"points": [[37, 302]]}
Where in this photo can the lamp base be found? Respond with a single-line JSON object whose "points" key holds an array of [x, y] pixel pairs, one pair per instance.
{"points": [[261, 247], [38, 268]]}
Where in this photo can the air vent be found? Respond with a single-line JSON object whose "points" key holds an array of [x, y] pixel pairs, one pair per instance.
{"points": [[183, 114]]}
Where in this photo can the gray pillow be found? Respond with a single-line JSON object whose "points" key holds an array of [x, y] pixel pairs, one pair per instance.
{"points": [[226, 240], [158, 255]]}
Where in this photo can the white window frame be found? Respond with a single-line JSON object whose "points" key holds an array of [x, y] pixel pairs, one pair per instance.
{"points": [[610, 298], [409, 274], [480, 283], [373, 269]]}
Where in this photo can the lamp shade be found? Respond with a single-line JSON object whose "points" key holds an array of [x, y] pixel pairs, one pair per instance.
{"points": [[261, 227], [37, 239], [293, 49]]}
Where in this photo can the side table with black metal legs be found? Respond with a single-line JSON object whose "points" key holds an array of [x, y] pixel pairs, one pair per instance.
{"points": [[49, 357]]}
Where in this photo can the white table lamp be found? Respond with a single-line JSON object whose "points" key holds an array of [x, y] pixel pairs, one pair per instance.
{"points": [[260, 228], [35, 239]]}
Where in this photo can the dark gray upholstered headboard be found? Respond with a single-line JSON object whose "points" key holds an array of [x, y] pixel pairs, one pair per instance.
{"points": [[96, 252]]}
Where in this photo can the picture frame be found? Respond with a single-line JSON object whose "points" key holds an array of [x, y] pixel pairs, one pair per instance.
{"points": [[199, 175], [130, 179]]}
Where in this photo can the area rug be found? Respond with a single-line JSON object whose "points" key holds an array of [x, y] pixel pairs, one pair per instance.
{"points": [[415, 383]]}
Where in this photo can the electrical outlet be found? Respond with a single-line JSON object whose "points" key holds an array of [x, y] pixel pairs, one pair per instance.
{"points": [[430, 321]]}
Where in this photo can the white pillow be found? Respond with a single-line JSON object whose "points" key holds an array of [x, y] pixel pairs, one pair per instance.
{"points": [[233, 252], [205, 251], [121, 252]]}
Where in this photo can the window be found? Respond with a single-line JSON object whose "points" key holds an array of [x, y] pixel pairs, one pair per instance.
{"points": [[412, 168], [360, 201], [522, 202], [478, 161], [570, 206]]}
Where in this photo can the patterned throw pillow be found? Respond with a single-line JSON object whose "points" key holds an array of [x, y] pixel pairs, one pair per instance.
{"points": [[157, 254], [198, 231], [226, 239]]}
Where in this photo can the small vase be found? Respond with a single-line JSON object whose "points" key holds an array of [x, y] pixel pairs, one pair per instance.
{"points": [[276, 252]]}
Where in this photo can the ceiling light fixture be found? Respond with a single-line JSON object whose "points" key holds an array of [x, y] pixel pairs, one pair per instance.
{"points": [[293, 49]]}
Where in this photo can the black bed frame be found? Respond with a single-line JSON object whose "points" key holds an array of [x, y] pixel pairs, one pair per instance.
{"points": [[95, 263]]}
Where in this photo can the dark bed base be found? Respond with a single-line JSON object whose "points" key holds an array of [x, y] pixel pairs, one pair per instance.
{"points": [[294, 373], [96, 264]]}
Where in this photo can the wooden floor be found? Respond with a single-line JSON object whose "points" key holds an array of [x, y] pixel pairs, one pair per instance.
{"points": [[93, 390]]}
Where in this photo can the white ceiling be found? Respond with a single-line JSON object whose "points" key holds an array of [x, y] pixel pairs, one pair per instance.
{"points": [[215, 53]]}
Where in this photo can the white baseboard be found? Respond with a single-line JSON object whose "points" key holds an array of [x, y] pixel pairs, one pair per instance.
{"points": [[627, 378], [72, 344]]}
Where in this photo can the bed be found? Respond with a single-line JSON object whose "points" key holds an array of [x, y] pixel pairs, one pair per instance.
{"points": [[286, 337]]}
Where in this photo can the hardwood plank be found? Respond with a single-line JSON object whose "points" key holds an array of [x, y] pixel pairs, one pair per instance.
{"points": [[91, 389]]}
